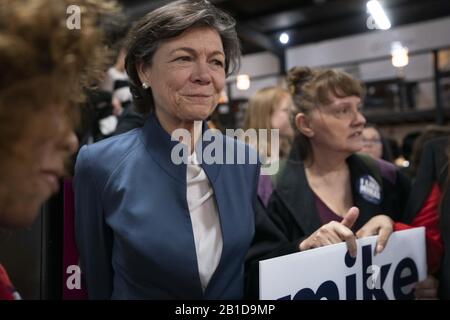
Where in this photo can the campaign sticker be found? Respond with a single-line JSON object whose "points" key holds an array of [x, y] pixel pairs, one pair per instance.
{"points": [[369, 189]]}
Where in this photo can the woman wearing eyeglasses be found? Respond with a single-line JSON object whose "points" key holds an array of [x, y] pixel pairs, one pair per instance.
{"points": [[328, 192], [374, 145], [325, 176]]}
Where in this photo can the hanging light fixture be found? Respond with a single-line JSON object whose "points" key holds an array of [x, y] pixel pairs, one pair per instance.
{"points": [[399, 54], [243, 81], [377, 12], [284, 38]]}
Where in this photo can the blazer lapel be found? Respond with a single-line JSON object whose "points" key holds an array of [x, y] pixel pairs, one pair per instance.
{"points": [[366, 209], [160, 146], [295, 192]]}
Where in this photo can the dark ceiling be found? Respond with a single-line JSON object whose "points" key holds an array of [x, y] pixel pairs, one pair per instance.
{"points": [[260, 22]]}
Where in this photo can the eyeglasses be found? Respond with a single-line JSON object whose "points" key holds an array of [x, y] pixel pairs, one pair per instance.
{"points": [[347, 112]]}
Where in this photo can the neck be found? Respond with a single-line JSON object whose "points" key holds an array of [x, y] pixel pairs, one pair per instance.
{"points": [[119, 67], [170, 125], [326, 161]]}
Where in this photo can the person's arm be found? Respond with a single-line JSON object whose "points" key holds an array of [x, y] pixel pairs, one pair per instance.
{"points": [[268, 242], [402, 189], [423, 210], [423, 204], [93, 237], [428, 217]]}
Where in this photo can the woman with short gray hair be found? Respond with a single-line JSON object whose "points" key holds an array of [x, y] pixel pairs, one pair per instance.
{"points": [[147, 227], [168, 22]]}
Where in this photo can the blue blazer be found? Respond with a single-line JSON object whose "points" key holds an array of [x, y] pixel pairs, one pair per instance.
{"points": [[132, 223]]}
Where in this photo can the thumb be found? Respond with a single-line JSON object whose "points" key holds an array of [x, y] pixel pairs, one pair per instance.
{"points": [[350, 217]]}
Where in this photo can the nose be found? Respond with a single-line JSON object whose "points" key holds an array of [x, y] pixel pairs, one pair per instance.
{"points": [[359, 119], [201, 73], [70, 143]]}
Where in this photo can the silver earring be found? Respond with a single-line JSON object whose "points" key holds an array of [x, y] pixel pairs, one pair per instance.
{"points": [[144, 86]]}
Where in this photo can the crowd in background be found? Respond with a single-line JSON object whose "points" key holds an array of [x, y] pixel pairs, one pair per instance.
{"points": [[147, 228]]}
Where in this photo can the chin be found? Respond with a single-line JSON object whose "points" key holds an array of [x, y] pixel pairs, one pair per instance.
{"points": [[357, 147], [20, 215], [201, 115], [20, 219]]}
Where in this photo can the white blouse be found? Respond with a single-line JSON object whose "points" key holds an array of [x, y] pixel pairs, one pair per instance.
{"points": [[205, 220]]}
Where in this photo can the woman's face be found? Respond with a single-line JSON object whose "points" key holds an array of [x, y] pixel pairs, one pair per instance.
{"points": [[30, 173], [280, 117], [339, 125], [186, 76], [372, 143]]}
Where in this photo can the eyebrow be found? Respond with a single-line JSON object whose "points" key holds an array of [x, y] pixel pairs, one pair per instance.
{"points": [[192, 51], [345, 103]]}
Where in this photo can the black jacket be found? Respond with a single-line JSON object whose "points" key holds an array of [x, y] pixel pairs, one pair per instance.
{"points": [[292, 212], [433, 169]]}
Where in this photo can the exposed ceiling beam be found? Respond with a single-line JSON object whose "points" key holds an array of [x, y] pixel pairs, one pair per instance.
{"points": [[142, 8], [354, 24], [259, 39]]}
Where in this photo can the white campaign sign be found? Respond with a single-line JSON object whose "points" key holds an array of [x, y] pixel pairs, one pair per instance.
{"points": [[330, 273]]}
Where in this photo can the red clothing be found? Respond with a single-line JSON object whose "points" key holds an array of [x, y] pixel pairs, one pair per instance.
{"points": [[7, 291], [428, 217]]}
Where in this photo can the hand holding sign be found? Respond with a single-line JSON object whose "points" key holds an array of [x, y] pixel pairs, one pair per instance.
{"points": [[334, 232], [329, 273], [427, 289], [380, 225]]}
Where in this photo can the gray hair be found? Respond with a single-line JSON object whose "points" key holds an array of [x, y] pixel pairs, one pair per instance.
{"points": [[168, 22]]}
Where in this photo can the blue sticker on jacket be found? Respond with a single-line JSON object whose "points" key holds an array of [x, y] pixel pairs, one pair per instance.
{"points": [[369, 189]]}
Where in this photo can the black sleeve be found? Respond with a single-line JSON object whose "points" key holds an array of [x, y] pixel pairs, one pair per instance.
{"points": [[130, 120], [402, 191], [430, 162], [269, 242]]}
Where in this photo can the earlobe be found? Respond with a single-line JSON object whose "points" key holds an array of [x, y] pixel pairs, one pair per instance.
{"points": [[143, 71], [304, 125]]}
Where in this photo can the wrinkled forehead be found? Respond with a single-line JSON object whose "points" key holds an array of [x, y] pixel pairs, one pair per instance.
{"points": [[333, 102], [349, 100], [199, 39]]}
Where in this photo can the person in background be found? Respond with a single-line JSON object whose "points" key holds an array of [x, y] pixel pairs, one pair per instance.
{"points": [[429, 206], [319, 199], [147, 225], [124, 117], [109, 101], [375, 145], [404, 161], [270, 108], [40, 88], [431, 132]]}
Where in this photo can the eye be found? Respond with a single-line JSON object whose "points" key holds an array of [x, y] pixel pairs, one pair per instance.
{"points": [[218, 63], [344, 110], [183, 58]]}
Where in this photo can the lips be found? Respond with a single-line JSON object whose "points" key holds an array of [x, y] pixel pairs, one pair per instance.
{"points": [[199, 95], [356, 134]]}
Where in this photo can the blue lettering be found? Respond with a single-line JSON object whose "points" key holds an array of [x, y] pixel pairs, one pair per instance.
{"points": [[401, 280], [327, 290]]}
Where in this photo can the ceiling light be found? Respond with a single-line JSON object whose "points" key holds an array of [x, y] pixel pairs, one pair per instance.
{"points": [[399, 54], [376, 11], [243, 82], [284, 38]]}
